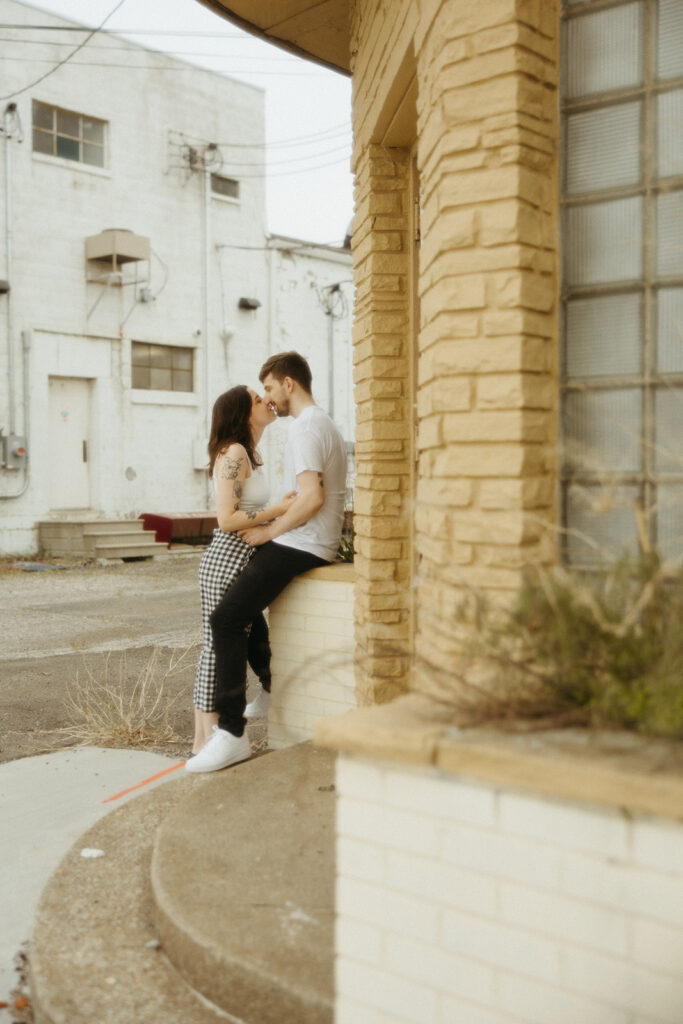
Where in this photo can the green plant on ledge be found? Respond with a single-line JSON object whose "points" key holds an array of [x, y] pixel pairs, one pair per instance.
{"points": [[605, 650]]}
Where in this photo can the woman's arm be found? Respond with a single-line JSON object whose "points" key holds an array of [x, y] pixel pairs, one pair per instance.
{"points": [[231, 472], [310, 499]]}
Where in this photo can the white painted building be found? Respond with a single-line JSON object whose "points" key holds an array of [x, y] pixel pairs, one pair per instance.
{"points": [[109, 365]]}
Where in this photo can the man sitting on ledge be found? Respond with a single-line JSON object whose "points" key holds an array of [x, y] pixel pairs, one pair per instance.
{"points": [[306, 536]]}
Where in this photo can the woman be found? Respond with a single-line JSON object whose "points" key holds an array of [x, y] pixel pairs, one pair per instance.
{"points": [[239, 418]]}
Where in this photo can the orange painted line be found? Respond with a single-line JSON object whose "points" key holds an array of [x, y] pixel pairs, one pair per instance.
{"points": [[145, 782]]}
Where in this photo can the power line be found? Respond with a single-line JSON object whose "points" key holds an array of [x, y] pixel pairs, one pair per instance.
{"points": [[286, 160], [138, 46], [80, 46], [143, 67], [299, 170], [128, 31]]}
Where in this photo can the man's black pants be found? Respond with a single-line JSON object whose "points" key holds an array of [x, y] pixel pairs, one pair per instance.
{"points": [[259, 583]]}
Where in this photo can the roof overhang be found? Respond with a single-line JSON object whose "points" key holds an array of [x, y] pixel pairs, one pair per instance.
{"points": [[315, 29]]}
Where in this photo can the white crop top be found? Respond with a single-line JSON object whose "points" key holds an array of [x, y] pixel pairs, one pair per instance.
{"points": [[255, 490]]}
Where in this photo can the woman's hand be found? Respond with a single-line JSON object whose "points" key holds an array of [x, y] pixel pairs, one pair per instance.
{"points": [[288, 500]]}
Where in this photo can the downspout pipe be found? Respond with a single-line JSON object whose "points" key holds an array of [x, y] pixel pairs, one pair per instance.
{"points": [[10, 125], [8, 119]]}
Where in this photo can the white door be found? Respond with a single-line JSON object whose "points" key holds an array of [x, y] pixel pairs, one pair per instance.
{"points": [[69, 442]]}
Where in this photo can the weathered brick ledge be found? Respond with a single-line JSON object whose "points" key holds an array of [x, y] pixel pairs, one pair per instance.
{"points": [[614, 769]]}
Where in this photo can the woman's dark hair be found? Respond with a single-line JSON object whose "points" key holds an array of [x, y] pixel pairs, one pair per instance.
{"points": [[230, 424], [288, 364]]}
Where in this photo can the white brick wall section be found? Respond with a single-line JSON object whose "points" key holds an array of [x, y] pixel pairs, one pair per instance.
{"points": [[311, 634], [542, 912]]}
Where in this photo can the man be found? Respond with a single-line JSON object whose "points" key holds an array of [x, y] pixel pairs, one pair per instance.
{"points": [[307, 535]]}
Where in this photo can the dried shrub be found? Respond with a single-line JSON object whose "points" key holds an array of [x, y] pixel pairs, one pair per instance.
{"points": [[601, 650], [108, 709]]}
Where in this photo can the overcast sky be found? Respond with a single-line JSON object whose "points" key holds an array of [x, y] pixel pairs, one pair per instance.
{"points": [[304, 103]]}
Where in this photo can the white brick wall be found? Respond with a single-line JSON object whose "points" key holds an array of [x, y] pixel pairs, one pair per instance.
{"points": [[462, 903], [311, 634]]}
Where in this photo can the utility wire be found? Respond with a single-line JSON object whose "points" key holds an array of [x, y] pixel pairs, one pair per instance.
{"points": [[61, 63], [145, 67], [139, 46], [296, 140]]}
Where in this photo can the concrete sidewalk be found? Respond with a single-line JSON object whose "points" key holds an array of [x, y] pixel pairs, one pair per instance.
{"points": [[46, 803]]}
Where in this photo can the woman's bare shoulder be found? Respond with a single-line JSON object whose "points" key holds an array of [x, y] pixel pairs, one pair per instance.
{"points": [[232, 461]]}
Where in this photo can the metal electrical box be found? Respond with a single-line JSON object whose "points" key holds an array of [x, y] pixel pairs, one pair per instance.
{"points": [[13, 451]]}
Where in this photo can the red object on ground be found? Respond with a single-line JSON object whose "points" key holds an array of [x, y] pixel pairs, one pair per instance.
{"points": [[177, 526]]}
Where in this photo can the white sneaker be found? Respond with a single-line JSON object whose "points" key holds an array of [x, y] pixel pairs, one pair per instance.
{"points": [[259, 706], [221, 750]]}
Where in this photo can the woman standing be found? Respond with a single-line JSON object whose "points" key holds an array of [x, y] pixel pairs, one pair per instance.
{"points": [[239, 418]]}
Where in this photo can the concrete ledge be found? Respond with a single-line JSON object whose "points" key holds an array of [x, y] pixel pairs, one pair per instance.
{"points": [[336, 571], [243, 883], [613, 769]]}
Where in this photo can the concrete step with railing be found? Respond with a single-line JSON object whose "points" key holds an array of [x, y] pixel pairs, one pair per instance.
{"points": [[213, 900]]}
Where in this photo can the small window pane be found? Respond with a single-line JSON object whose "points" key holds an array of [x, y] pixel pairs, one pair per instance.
{"points": [[160, 380], [93, 131], [93, 155], [140, 377], [42, 142], [604, 50], [670, 133], [602, 431], [225, 186], [182, 380], [603, 149], [68, 148], [670, 331], [669, 420], [68, 124], [604, 242], [603, 336], [140, 354], [160, 356], [42, 116], [182, 358], [670, 234], [670, 520], [601, 523], [670, 38]]}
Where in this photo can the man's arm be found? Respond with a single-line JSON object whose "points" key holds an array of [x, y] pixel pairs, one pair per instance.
{"points": [[310, 500]]}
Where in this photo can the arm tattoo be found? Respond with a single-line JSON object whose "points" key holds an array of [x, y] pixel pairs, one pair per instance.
{"points": [[249, 514], [237, 489], [236, 506], [231, 467], [321, 480]]}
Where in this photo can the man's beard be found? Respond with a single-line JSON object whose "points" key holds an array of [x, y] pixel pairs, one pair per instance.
{"points": [[282, 408]]}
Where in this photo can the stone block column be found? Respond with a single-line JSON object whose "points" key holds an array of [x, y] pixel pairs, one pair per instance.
{"points": [[381, 367], [487, 153]]}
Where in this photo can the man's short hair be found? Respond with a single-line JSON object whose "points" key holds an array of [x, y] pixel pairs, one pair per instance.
{"points": [[288, 364]]}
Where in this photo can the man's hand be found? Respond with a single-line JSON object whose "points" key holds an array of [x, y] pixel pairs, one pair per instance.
{"points": [[255, 535]]}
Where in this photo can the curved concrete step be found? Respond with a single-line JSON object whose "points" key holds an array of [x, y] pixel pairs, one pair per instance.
{"points": [[243, 886], [90, 961]]}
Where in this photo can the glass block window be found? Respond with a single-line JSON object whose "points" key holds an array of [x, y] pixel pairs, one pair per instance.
{"points": [[622, 286], [227, 187], [68, 135], [161, 367]]}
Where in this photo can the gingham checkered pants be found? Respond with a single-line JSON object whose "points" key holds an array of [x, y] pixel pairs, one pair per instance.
{"points": [[222, 561]]}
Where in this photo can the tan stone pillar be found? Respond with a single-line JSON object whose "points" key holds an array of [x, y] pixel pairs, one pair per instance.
{"points": [[487, 151], [382, 360]]}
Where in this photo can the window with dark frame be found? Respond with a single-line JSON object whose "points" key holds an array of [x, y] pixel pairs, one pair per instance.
{"points": [[622, 289], [228, 187], [161, 367], [68, 135]]}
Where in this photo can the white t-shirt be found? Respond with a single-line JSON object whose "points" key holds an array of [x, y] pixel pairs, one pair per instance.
{"points": [[314, 443]]}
